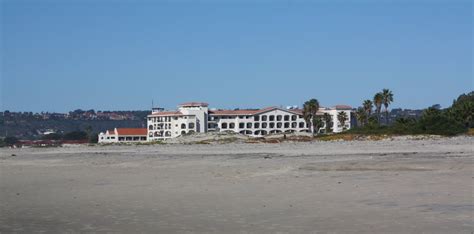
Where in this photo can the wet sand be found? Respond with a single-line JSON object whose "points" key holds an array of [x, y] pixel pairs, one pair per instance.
{"points": [[391, 186]]}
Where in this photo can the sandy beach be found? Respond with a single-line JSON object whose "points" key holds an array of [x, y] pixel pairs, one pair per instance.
{"points": [[389, 186]]}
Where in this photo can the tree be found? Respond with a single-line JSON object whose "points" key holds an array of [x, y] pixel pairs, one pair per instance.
{"points": [[10, 141], [342, 118], [367, 105], [387, 99], [378, 100], [52, 136], [310, 109], [317, 124], [439, 122], [76, 135], [328, 121], [361, 116], [463, 109]]}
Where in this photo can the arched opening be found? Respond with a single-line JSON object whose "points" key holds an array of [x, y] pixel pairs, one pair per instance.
{"points": [[275, 131], [151, 134], [157, 134], [232, 125], [168, 133], [183, 126], [183, 132], [191, 131], [261, 132], [287, 125], [224, 125], [150, 127], [246, 132]]}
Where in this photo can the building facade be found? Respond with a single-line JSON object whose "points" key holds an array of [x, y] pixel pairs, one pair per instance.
{"points": [[197, 117], [125, 135]]}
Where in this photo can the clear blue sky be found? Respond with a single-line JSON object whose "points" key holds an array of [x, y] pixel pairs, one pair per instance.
{"points": [[120, 54]]}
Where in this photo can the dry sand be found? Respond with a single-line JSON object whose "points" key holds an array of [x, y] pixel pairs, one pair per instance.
{"points": [[390, 186]]}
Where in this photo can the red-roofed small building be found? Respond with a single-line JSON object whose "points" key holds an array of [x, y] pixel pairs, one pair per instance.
{"points": [[118, 135]]}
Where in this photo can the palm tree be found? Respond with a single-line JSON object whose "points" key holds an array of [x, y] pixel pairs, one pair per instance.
{"points": [[317, 123], [378, 100], [367, 105], [387, 98], [342, 117], [361, 116], [328, 120], [310, 108]]}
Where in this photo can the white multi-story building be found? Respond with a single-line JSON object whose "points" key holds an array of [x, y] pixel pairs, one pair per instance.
{"points": [[196, 117]]}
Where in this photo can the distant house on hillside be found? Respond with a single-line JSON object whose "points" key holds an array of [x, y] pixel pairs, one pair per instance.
{"points": [[123, 135]]}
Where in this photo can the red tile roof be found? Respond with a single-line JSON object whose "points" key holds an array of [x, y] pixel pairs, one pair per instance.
{"points": [[194, 104], [252, 111], [234, 112], [167, 113], [343, 107], [132, 131]]}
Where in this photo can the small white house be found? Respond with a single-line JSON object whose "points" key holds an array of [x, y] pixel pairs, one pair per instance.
{"points": [[123, 135]]}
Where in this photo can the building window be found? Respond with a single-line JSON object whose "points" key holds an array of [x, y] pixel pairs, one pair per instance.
{"points": [[264, 125], [287, 118], [249, 125], [256, 125], [279, 125], [293, 124], [256, 118], [120, 139], [241, 125], [287, 125], [293, 118], [224, 125], [183, 132], [232, 125], [301, 125], [264, 118], [183, 126], [191, 125], [150, 127], [272, 118], [279, 117], [272, 125]]}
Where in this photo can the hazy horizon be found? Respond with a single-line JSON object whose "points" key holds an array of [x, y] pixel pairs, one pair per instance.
{"points": [[58, 56]]}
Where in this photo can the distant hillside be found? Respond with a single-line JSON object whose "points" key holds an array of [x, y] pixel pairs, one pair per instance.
{"points": [[27, 125]]}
